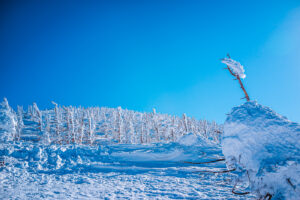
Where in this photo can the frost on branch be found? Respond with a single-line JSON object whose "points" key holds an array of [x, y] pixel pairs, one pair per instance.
{"points": [[235, 67], [237, 71]]}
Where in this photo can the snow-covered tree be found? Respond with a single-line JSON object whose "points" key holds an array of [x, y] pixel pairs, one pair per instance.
{"points": [[64, 125], [37, 115], [8, 122], [20, 126], [57, 123]]}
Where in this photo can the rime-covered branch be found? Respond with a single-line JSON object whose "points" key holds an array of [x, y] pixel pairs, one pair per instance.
{"points": [[237, 71]]}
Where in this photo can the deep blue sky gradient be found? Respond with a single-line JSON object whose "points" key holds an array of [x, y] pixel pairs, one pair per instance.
{"points": [[144, 54]]}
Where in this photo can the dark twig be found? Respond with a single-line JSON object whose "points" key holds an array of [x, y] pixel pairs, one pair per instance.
{"points": [[238, 193], [217, 172], [268, 196], [292, 185], [199, 163]]}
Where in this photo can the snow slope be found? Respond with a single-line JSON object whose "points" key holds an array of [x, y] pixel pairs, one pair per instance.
{"points": [[121, 171], [264, 147]]}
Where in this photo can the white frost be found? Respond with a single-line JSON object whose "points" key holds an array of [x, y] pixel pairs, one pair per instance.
{"points": [[235, 66]]}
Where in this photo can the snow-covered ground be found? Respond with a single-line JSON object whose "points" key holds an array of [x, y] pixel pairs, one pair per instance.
{"points": [[122, 171], [78, 153]]}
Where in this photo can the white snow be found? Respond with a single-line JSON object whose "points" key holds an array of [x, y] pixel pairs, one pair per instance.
{"points": [[235, 66], [122, 171], [191, 139], [264, 147]]}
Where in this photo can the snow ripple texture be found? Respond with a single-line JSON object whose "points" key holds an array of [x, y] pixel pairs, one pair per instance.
{"points": [[264, 147], [122, 171]]}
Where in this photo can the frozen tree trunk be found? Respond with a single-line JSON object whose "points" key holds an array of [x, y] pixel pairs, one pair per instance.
{"points": [[154, 111], [155, 125], [57, 123], [67, 118], [147, 128], [204, 128], [72, 126], [142, 130], [48, 130], [185, 124], [119, 124], [38, 115], [131, 134], [91, 128], [142, 134], [82, 127], [70, 130], [20, 123]]}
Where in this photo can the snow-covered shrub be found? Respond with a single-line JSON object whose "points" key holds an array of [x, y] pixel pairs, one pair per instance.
{"points": [[264, 147]]}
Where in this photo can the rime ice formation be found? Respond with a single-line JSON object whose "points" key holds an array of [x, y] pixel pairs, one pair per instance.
{"points": [[65, 125], [235, 67], [264, 148]]}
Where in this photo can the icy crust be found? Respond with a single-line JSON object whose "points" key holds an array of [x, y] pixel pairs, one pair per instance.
{"points": [[265, 148]]}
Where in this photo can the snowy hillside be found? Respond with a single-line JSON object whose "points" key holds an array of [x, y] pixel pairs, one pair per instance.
{"points": [[65, 125], [106, 153], [264, 148]]}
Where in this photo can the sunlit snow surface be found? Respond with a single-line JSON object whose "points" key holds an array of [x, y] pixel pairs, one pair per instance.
{"points": [[154, 171], [265, 148]]}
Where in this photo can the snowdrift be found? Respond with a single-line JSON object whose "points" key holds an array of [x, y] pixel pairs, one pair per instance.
{"points": [[113, 171], [69, 158], [264, 148]]}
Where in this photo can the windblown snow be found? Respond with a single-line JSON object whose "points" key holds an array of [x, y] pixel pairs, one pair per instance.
{"points": [[264, 147], [235, 66]]}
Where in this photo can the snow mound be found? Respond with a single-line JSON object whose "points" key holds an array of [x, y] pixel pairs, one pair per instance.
{"points": [[235, 66], [192, 140], [264, 147]]}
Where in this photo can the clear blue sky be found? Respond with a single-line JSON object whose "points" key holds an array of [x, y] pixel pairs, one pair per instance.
{"points": [[144, 54]]}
